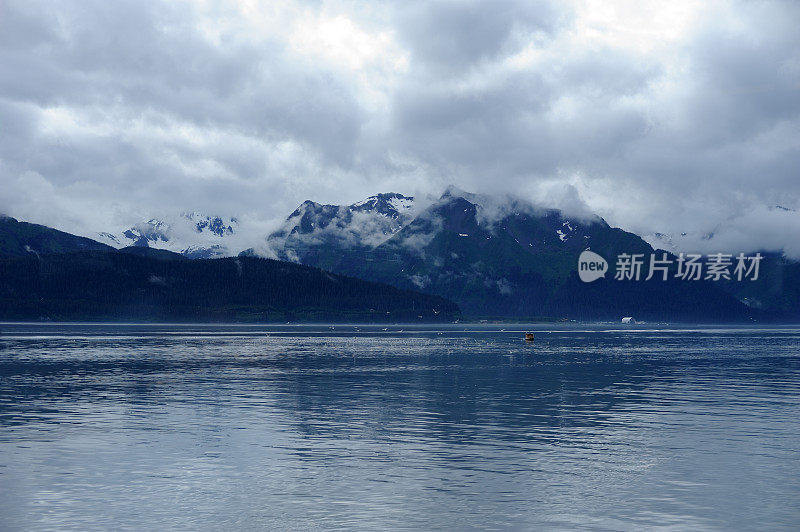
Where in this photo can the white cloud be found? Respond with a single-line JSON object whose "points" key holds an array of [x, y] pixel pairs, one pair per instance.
{"points": [[659, 116]]}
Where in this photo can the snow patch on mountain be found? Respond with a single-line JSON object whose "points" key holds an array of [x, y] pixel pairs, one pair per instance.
{"points": [[565, 231]]}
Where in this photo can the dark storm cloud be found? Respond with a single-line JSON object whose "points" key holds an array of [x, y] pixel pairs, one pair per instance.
{"points": [[149, 112], [658, 120], [674, 140], [511, 127], [725, 141], [447, 37], [138, 57]]}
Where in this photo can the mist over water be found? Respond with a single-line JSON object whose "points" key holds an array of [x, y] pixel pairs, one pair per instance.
{"points": [[320, 427]]}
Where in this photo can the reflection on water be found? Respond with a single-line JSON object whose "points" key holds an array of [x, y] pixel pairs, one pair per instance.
{"points": [[205, 427]]}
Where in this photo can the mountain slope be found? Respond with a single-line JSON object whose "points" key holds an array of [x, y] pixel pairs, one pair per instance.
{"points": [[21, 238], [776, 292], [123, 286]]}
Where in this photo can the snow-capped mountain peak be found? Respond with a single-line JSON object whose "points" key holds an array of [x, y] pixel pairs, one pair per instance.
{"points": [[367, 223], [392, 204], [191, 234]]}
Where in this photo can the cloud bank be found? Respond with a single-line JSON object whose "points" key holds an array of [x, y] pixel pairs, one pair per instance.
{"points": [[659, 116]]}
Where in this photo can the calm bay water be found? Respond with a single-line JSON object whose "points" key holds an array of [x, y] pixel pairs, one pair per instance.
{"points": [[456, 427]]}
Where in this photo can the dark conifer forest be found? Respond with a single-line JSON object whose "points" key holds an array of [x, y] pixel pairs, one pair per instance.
{"points": [[160, 286]]}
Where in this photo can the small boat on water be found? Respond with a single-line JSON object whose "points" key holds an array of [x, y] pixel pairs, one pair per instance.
{"points": [[529, 337]]}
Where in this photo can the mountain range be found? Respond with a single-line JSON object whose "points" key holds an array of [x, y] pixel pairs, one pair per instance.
{"points": [[494, 256], [497, 257]]}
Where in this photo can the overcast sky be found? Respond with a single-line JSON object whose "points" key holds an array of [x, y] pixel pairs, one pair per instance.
{"points": [[660, 116]]}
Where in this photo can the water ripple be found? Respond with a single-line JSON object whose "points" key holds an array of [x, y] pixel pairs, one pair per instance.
{"points": [[245, 427]]}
